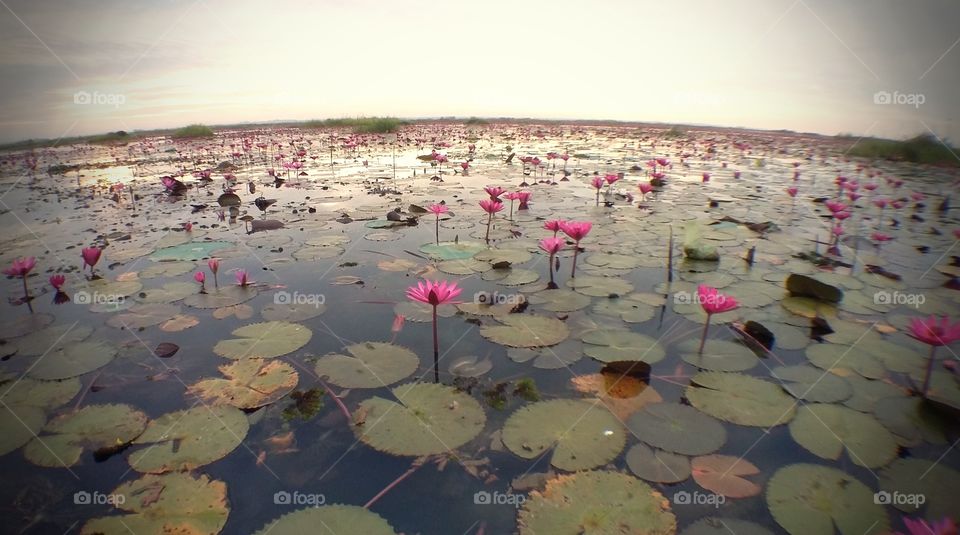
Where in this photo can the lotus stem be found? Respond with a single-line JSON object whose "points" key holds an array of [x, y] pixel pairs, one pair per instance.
{"points": [[703, 337], [489, 220], [438, 229], [926, 379], [417, 463], [576, 251], [436, 348]]}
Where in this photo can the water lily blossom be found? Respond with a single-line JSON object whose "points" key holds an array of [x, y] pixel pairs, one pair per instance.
{"points": [[919, 526], [494, 192], [243, 280], [57, 281], [490, 207], [201, 278], [214, 265], [438, 209], [20, 268], [597, 183], [434, 294], [551, 246], [91, 255], [576, 230], [792, 191], [935, 334], [713, 302], [524, 198], [554, 225]]}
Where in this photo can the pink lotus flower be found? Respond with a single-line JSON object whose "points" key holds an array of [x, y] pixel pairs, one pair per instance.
{"points": [[576, 230], [438, 209], [736, 174], [214, 265], [524, 198], [188, 226], [917, 196], [792, 191], [611, 178], [898, 204], [645, 187], [919, 526], [835, 206], [491, 206], [880, 237], [512, 196], [434, 293], [853, 196], [552, 246], [57, 281], [870, 186], [242, 279], [597, 182], [564, 157], [494, 192], [199, 277], [21, 267], [880, 203], [465, 165], [929, 331], [837, 230], [706, 177], [555, 224], [663, 162], [91, 255], [713, 302], [840, 216]]}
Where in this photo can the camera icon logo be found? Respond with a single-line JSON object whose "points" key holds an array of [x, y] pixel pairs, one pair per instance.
{"points": [[681, 498], [82, 498], [882, 498], [882, 298], [81, 298], [282, 298], [682, 298], [82, 97], [281, 497], [482, 498], [882, 97]]}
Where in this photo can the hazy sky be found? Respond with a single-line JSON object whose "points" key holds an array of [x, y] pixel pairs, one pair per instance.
{"points": [[805, 65]]}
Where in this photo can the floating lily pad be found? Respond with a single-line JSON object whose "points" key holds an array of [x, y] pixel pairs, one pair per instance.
{"points": [[170, 503], [168, 293], [469, 366], [468, 266], [656, 465], [937, 483], [740, 399], [452, 251], [493, 256], [724, 475], [912, 420], [559, 300], [811, 384], [510, 276], [428, 419], [143, 316], [39, 342], [19, 424], [334, 519], [41, 394], [25, 325], [292, 312], [677, 428], [724, 526], [623, 395], [190, 251], [249, 383], [612, 261], [373, 365], [72, 360], [866, 392], [718, 355], [610, 345], [422, 312], [810, 499], [64, 438], [629, 310], [264, 340], [808, 308], [525, 330], [582, 434], [599, 502], [224, 296], [827, 430], [835, 356], [600, 286], [187, 439]]}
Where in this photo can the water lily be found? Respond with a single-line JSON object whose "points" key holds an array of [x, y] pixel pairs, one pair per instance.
{"points": [[576, 230], [490, 207], [919, 526], [91, 255], [434, 294], [554, 225], [494, 192], [645, 188], [524, 198], [438, 209], [792, 191], [713, 302], [934, 334], [214, 265], [57, 281], [201, 278], [243, 279], [551, 246], [20, 268], [597, 183]]}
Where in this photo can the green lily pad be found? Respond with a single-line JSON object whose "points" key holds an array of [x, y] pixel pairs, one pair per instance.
{"points": [[190, 251], [493, 256], [867, 392], [559, 300], [526, 330], [225, 296], [64, 438], [600, 286], [39, 342], [827, 430], [740, 399], [725, 475], [168, 293], [452, 251], [656, 465], [428, 419], [724, 526], [718, 355], [463, 267], [72, 360], [19, 424], [582, 434], [167, 269], [187, 439], [911, 478], [612, 261], [41, 394], [608, 345], [625, 308], [677, 428], [164, 504], [334, 519], [811, 384], [510, 276], [143, 316], [835, 356], [809, 499], [373, 365], [423, 312], [912, 420], [264, 340], [292, 312], [25, 325], [598, 503], [249, 383]]}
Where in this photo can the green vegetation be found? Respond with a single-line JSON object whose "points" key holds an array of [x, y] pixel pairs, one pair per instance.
{"points": [[527, 389], [193, 130], [675, 131], [475, 121], [924, 148], [362, 125]]}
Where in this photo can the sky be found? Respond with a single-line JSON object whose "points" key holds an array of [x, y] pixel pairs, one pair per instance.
{"points": [[887, 68]]}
